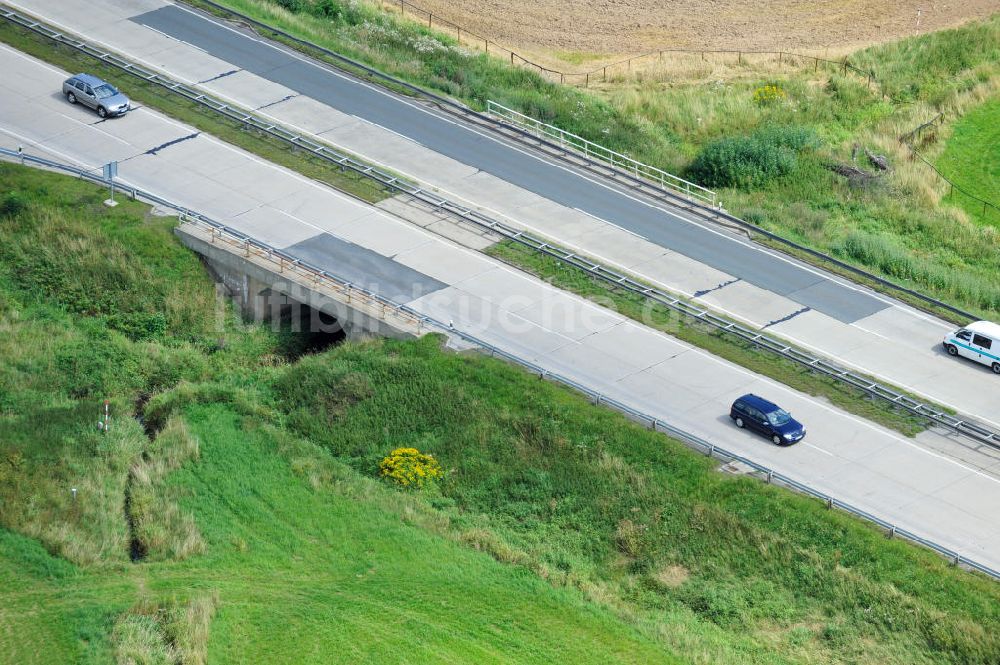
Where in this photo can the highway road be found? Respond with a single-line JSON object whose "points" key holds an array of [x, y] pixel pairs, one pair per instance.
{"points": [[897, 479], [824, 314]]}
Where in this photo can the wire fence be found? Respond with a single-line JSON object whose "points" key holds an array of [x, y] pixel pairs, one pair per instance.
{"points": [[957, 194], [241, 244], [625, 66]]}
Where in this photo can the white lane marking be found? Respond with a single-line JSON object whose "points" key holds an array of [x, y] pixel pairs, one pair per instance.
{"points": [[825, 452], [604, 221], [579, 299]]}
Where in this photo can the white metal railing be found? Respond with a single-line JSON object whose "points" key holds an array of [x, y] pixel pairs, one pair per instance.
{"points": [[591, 149]]}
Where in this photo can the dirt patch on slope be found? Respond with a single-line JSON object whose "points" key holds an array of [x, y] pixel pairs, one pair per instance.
{"points": [[570, 29]]}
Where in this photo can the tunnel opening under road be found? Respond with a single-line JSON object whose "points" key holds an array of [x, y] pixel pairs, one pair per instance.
{"points": [[301, 329]]}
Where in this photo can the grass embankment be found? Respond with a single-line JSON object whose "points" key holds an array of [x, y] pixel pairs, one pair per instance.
{"points": [[273, 542], [893, 224], [180, 108], [706, 337], [255, 546], [971, 157]]}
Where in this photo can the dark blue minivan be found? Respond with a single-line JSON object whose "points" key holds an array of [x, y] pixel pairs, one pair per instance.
{"points": [[768, 418]]}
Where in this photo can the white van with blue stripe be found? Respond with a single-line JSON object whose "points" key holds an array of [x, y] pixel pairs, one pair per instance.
{"points": [[979, 341]]}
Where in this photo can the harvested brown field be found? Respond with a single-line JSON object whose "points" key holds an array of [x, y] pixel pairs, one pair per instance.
{"points": [[569, 30]]}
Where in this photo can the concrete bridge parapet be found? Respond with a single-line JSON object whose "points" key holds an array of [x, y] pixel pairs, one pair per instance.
{"points": [[263, 283]]}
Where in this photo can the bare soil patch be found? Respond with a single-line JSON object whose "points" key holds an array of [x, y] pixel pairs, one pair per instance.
{"points": [[569, 30]]}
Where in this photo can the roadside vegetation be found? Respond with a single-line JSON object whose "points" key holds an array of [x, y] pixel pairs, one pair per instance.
{"points": [[784, 147], [742, 353], [245, 497], [754, 158], [202, 529]]}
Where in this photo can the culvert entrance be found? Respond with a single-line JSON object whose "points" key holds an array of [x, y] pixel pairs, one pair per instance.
{"points": [[302, 329]]}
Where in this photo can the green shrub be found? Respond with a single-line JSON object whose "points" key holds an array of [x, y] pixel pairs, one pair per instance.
{"points": [[12, 203], [751, 161], [743, 162]]}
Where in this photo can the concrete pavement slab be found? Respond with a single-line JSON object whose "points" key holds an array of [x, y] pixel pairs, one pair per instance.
{"points": [[569, 316], [663, 396], [610, 241], [127, 37], [592, 368], [634, 344], [383, 235], [835, 339], [98, 147], [262, 182], [877, 358], [443, 262], [186, 64], [308, 115], [493, 192], [710, 379], [681, 274], [545, 218], [251, 90], [322, 208], [751, 303], [383, 147], [80, 16], [274, 227], [906, 327], [505, 287]]}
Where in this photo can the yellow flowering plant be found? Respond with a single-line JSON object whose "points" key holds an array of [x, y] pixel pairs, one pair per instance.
{"points": [[410, 468], [769, 94]]}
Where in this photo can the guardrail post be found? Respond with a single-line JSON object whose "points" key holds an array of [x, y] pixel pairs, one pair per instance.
{"points": [[711, 451], [892, 532], [829, 503], [770, 475]]}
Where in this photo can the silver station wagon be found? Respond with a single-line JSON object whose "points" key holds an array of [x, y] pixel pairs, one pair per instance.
{"points": [[97, 94]]}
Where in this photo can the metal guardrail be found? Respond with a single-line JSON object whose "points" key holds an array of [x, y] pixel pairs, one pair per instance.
{"points": [[427, 323], [964, 426], [247, 245], [600, 169], [591, 149]]}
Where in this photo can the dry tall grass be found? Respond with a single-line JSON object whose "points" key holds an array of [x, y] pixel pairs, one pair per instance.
{"points": [[163, 529]]}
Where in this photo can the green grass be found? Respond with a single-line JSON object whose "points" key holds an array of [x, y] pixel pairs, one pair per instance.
{"points": [[297, 558], [703, 336], [929, 245], [971, 158], [561, 532], [180, 108]]}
